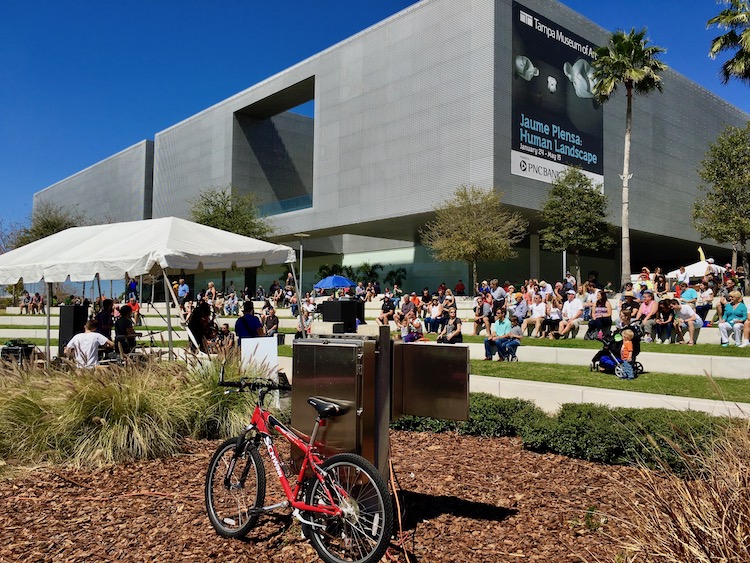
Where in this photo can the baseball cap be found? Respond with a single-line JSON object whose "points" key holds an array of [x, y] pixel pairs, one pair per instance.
{"points": [[570, 292], [710, 260]]}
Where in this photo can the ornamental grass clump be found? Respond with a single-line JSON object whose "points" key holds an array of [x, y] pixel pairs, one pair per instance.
{"points": [[124, 414], [702, 518], [217, 414]]}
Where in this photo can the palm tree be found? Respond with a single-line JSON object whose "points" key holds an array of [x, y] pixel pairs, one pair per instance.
{"points": [[627, 59], [736, 20]]}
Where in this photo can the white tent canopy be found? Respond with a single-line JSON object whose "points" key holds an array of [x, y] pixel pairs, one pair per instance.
{"points": [[154, 246], [696, 270], [136, 248]]}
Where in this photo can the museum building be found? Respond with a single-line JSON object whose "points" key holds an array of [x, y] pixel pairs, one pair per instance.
{"points": [[355, 146]]}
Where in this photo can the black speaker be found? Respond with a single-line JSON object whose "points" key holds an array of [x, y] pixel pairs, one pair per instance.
{"points": [[72, 321], [346, 312]]}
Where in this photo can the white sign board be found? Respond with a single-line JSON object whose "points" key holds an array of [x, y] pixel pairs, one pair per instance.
{"points": [[263, 353]]}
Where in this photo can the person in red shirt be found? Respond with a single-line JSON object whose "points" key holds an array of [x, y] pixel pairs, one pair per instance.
{"points": [[460, 288], [136, 308]]}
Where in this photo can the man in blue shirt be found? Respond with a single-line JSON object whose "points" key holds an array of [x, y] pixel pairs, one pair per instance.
{"points": [[688, 296], [248, 325], [183, 290]]}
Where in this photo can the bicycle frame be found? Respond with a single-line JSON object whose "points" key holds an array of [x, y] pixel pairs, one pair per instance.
{"points": [[262, 423]]}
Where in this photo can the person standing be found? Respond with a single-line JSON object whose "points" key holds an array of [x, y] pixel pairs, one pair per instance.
{"points": [[183, 291], [626, 354]]}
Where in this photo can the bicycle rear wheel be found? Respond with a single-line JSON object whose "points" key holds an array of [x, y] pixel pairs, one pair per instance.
{"points": [[232, 495], [363, 532]]}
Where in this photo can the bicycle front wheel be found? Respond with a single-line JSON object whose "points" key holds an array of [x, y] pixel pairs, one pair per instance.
{"points": [[235, 487], [362, 533]]}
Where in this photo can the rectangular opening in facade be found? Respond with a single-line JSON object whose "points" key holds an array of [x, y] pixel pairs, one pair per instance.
{"points": [[272, 154]]}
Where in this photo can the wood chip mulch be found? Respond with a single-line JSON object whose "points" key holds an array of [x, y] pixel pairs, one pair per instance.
{"points": [[464, 499]]}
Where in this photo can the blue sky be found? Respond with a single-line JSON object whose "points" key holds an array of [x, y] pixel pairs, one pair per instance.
{"points": [[82, 80]]}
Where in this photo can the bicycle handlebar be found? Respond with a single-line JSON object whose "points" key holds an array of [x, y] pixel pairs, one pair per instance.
{"points": [[256, 385]]}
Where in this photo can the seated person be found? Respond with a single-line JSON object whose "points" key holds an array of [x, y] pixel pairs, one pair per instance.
{"points": [[411, 328], [552, 321], [225, 338], [248, 325], [735, 315], [451, 331], [685, 319], [647, 315], [572, 314], [125, 334], [499, 331], [663, 322], [386, 312], [406, 305], [434, 320], [271, 322], [628, 303], [135, 308], [84, 347], [231, 304], [537, 314], [482, 313], [705, 301], [688, 295]]}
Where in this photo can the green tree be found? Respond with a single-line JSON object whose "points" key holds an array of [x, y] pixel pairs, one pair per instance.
{"points": [[224, 209], [735, 19], [627, 59], [396, 276], [46, 219], [576, 217], [472, 226], [335, 270], [722, 210], [367, 272]]}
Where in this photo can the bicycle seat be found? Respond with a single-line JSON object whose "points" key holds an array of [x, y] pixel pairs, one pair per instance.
{"points": [[326, 408]]}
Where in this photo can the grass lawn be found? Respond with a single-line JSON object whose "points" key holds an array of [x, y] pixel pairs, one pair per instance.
{"points": [[732, 390]]}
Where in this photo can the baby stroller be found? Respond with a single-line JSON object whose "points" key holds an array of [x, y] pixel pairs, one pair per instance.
{"points": [[608, 358]]}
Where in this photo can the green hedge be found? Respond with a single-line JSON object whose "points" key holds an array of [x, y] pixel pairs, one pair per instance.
{"points": [[655, 437]]}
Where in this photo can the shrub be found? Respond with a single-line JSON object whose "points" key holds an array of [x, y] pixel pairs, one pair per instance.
{"points": [[494, 417]]}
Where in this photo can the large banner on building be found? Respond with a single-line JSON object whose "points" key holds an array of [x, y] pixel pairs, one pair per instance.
{"points": [[556, 121]]}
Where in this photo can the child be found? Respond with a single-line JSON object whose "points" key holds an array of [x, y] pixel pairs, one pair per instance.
{"points": [[626, 354]]}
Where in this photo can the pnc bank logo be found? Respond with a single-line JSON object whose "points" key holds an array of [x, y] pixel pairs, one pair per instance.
{"points": [[524, 165], [528, 19]]}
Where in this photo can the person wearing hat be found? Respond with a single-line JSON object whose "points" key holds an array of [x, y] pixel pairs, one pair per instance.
{"points": [[628, 303], [248, 325], [572, 314], [647, 315]]}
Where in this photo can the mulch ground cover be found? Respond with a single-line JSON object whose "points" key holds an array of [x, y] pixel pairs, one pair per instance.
{"points": [[464, 499]]}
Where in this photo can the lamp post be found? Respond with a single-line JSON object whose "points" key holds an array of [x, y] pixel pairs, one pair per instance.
{"points": [[301, 237]]}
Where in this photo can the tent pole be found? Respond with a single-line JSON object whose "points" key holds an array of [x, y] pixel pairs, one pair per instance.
{"points": [[167, 294], [99, 288], [296, 285], [49, 308]]}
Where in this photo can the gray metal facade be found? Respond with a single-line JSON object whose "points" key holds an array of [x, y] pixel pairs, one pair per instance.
{"points": [[404, 112], [116, 189]]}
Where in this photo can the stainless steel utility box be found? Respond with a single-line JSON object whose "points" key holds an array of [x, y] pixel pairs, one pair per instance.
{"points": [[348, 370], [430, 380]]}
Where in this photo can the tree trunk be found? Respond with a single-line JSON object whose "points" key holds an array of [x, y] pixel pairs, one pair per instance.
{"points": [[578, 269], [625, 265], [745, 265], [734, 255], [473, 283]]}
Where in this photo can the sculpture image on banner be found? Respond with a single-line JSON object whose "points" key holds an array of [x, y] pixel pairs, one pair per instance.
{"points": [[556, 120]]}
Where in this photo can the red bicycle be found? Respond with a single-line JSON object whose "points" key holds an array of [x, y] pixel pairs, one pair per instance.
{"points": [[342, 502]]}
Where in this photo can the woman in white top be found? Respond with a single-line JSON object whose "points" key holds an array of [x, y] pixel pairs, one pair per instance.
{"points": [[537, 314], [554, 315]]}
